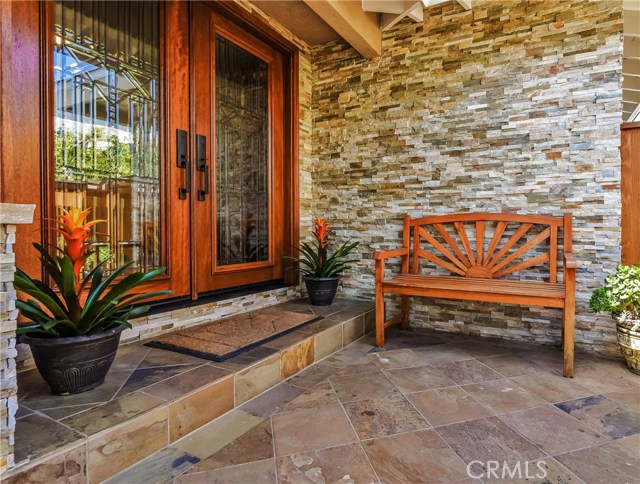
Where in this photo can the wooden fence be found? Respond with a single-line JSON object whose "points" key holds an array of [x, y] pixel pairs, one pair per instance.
{"points": [[630, 151]]}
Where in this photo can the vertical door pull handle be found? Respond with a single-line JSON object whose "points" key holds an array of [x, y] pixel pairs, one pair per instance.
{"points": [[182, 161], [201, 164]]}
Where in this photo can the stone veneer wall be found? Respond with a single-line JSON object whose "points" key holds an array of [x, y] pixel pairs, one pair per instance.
{"points": [[10, 216], [512, 106]]}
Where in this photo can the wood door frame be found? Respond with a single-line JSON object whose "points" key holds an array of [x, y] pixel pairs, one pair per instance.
{"points": [[290, 55], [175, 260], [210, 276]]}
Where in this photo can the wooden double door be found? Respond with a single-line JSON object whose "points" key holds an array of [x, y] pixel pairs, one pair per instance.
{"points": [[174, 121], [225, 150]]}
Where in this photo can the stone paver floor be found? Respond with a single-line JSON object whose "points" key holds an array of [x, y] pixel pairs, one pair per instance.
{"points": [[428, 407]]}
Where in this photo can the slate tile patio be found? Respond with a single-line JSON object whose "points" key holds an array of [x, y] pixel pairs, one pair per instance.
{"points": [[406, 412], [417, 414]]}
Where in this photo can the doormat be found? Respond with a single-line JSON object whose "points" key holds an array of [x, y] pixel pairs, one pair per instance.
{"points": [[225, 338]]}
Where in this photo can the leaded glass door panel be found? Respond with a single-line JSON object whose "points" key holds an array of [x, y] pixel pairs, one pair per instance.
{"points": [[238, 99], [115, 80]]}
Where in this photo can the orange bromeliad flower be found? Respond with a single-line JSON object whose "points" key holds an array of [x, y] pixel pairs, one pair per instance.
{"points": [[321, 231], [75, 232]]}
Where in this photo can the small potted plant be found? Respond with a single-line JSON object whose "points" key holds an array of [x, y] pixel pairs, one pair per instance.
{"points": [[77, 327], [320, 269], [620, 297]]}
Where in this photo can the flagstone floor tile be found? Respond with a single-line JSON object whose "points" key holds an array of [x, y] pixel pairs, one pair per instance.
{"points": [[443, 406], [629, 398], [420, 456], [272, 400], [344, 463], [552, 430], [318, 396], [351, 388], [503, 395], [553, 387], [511, 365], [606, 416], [254, 445], [38, 435], [111, 413], [468, 371], [389, 360], [432, 355], [262, 472], [419, 378], [488, 439], [610, 463], [379, 417], [304, 430]]}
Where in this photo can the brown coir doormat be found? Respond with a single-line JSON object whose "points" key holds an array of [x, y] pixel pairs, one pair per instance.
{"points": [[228, 337]]}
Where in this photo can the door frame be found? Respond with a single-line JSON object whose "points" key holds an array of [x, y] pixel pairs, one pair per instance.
{"points": [[211, 276], [260, 29]]}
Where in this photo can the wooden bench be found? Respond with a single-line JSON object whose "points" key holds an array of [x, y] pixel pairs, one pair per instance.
{"points": [[501, 245]]}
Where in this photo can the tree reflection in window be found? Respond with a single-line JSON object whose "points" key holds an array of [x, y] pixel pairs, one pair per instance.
{"points": [[106, 121]]}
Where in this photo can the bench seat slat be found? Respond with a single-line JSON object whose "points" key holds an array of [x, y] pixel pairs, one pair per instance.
{"points": [[477, 289]]}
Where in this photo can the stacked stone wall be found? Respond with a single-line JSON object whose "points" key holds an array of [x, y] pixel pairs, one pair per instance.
{"points": [[10, 216], [511, 106]]}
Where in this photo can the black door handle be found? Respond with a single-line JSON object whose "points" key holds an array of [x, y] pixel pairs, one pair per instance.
{"points": [[182, 161], [201, 164]]}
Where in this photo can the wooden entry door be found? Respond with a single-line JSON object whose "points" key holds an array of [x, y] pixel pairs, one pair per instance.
{"points": [[237, 151]]}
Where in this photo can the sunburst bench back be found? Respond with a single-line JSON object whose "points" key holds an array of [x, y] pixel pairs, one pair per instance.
{"points": [[477, 257]]}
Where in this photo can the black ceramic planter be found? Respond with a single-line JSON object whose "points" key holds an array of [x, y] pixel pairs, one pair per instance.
{"points": [[321, 290], [76, 364]]}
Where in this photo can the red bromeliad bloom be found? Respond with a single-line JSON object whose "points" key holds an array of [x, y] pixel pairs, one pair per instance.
{"points": [[75, 232], [321, 231]]}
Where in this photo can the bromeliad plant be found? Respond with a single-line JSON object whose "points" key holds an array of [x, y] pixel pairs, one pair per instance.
{"points": [[620, 295], [316, 260], [108, 304]]}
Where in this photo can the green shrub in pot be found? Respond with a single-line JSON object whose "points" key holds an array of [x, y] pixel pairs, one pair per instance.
{"points": [[620, 297]]}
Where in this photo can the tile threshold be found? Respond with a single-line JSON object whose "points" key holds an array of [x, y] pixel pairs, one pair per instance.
{"points": [[319, 341]]}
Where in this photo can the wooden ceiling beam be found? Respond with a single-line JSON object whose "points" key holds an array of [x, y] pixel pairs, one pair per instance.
{"points": [[359, 28]]}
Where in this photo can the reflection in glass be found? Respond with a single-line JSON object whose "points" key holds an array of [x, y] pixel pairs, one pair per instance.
{"points": [[106, 119], [242, 155]]}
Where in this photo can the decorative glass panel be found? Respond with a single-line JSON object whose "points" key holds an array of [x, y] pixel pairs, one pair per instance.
{"points": [[106, 101], [242, 155]]}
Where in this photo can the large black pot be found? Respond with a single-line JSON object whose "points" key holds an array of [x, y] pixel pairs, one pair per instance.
{"points": [[76, 364], [321, 290]]}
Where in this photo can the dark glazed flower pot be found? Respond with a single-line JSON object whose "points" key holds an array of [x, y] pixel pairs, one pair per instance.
{"points": [[76, 364], [321, 290]]}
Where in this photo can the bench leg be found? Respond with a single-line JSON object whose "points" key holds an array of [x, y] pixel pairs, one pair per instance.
{"points": [[405, 313], [379, 317], [568, 323]]}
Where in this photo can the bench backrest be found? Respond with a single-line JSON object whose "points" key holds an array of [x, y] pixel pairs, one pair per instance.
{"points": [[486, 245]]}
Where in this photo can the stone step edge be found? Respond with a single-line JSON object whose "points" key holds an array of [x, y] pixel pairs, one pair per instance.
{"points": [[351, 332]]}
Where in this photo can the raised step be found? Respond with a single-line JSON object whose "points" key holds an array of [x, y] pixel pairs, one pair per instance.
{"points": [[152, 398]]}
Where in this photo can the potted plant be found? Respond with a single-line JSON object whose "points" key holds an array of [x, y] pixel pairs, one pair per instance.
{"points": [[77, 327], [620, 297], [320, 269]]}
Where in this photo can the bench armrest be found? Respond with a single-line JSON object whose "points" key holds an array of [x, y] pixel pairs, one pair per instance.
{"points": [[381, 255], [570, 261]]}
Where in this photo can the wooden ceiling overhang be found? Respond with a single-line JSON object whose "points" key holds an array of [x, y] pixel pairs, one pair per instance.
{"points": [[358, 22]]}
